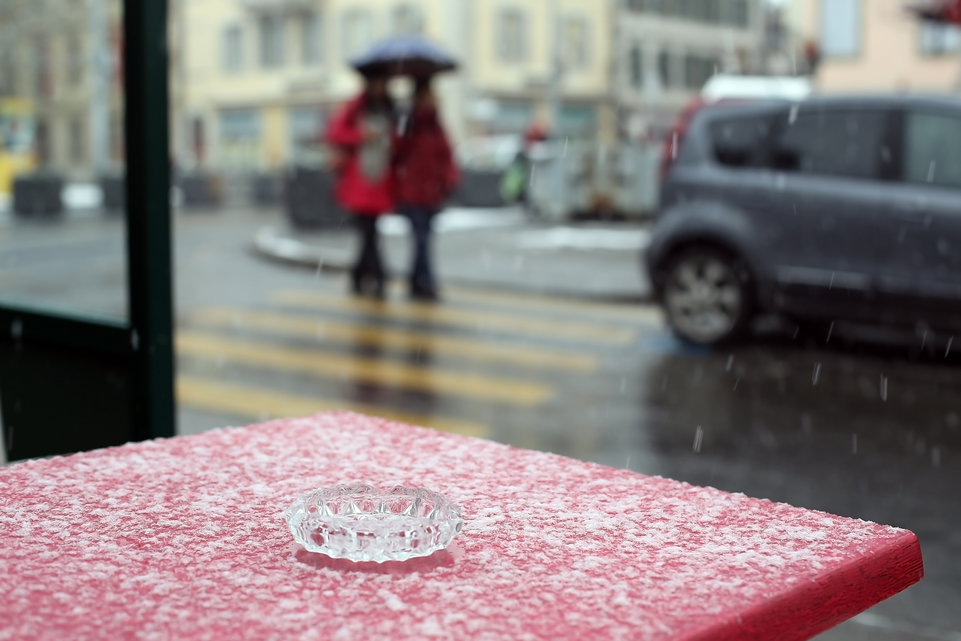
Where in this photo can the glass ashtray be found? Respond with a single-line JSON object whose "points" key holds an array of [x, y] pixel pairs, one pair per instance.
{"points": [[367, 523]]}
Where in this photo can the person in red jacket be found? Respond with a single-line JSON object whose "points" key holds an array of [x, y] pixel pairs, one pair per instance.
{"points": [[362, 133], [426, 175]]}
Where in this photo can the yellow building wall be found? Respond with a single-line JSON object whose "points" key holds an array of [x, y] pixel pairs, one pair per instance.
{"points": [[890, 58], [490, 73], [465, 27]]}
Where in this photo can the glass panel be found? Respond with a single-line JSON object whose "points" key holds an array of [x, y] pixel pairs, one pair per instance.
{"points": [[840, 27], [740, 141], [831, 143], [312, 39], [511, 36], [407, 19], [636, 67], [940, 39], [933, 150], [543, 329], [62, 221], [576, 43], [356, 33]]}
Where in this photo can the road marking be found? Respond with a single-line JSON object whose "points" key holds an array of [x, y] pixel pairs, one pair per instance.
{"points": [[341, 367], [429, 343], [473, 319], [597, 311], [259, 404]]}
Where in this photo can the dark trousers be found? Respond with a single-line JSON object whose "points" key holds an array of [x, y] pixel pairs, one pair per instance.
{"points": [[368, 272], [421, 273]]}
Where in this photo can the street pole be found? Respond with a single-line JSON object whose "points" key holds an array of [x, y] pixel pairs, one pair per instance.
{"points": [[555, 104], [554, 87], [99, 87]]}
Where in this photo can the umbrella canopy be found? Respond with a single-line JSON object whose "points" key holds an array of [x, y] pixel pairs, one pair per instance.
{"points": [[404, 55]]}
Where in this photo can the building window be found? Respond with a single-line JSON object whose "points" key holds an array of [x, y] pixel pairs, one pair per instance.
{"points": [[664, 69], [271, 41], [511, 36], [407, 20], [635, 67], [699, 10], [77, 147], [232, 48], [576, 42], [576, 120], [8, 79], [840, 28], [739, 13], [305, 127], [198, 139], [513, 116], [698, 69], [117, 139], [939, 39], [646, 6], [357, 32], [240, 138], [43, 76], [312, 39], [75, 62]]}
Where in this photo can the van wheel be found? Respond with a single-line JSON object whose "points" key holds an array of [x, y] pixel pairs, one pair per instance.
{"points": [[707, 296]]}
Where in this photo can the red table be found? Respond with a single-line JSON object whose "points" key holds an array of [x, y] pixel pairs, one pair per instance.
{"points": [[184, 539]]}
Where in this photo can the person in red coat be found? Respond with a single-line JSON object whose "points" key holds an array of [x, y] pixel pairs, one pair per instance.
{"points": [[362, 134], [426, 175]]}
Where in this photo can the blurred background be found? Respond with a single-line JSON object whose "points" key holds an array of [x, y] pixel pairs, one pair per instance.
{"points": [[547, 334]]}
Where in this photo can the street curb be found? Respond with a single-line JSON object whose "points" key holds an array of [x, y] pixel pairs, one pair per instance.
{"points": [[269, 244], [272, 246]]}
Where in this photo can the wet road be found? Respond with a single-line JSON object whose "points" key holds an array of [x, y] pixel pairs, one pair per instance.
{"points": [[845, 427]]}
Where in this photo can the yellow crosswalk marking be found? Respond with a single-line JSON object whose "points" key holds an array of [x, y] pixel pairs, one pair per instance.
{"points": [[430, 343], [468, 318], [596, 311], [339, 366], [259, 404]]}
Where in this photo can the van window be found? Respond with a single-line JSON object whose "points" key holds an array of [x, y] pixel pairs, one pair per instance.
{"points": [[830, 142], [739, 141], [932, 149]]}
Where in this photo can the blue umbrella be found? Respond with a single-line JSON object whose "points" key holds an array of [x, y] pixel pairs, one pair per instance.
{"points": [[404, 55]]}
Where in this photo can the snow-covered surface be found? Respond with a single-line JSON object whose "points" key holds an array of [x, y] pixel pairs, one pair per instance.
{"points": [[584, 238], [81, 196], [456, 219], [185, 538]]}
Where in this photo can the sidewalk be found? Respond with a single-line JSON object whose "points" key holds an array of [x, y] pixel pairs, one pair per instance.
{"points": [[490, 248]]}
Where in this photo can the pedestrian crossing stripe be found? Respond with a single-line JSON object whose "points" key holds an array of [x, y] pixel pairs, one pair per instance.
{"points": [[596, 311], [259, 405], [434, 314], [334, 365], [431, 343]]}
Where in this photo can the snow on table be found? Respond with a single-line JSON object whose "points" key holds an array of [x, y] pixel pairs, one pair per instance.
{"points": [[185, 539]]}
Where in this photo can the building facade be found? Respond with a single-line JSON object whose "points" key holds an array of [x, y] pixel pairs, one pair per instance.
{"points": [[254, 81], [667, 49], [878, 45], [62, 59]]}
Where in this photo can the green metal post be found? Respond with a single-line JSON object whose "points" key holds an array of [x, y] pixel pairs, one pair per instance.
{"points": [[148, 207]]}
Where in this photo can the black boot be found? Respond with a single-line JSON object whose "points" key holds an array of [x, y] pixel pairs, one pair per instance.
{"points": [[356, 282]]}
